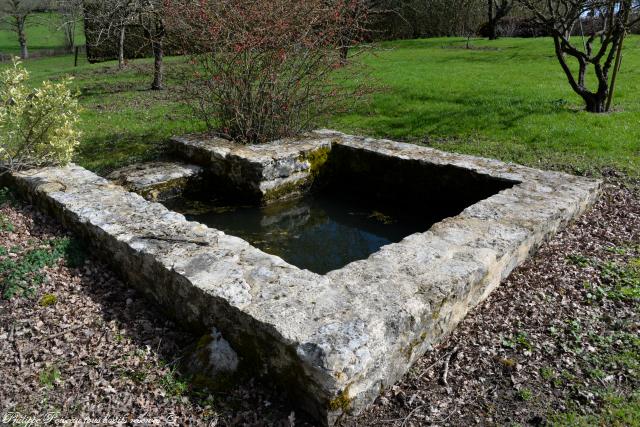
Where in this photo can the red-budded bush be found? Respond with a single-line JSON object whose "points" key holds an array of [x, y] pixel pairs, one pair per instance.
{"points": [[263, 70]]}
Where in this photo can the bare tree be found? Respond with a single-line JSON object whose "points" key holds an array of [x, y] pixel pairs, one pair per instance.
{"points": [[151, 16], [70, 14], [497, 10], [109, 20], [264, 70], [353, 18], [560, 18], [18, 12]]}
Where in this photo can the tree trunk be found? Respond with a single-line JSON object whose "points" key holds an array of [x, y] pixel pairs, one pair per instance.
{"points": [[491, 22], [121, 48], [158, 65], [596, 103], [344, 54], [22, 37], [493, 30]]}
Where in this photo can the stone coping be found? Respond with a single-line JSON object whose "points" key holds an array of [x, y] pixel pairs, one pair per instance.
{"points": [[335, 340], [266, 172]]}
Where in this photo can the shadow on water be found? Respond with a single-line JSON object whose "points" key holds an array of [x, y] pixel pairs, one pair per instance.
{"points": [[319, 233]]}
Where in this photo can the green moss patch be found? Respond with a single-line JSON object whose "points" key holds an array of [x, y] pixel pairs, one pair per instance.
{"points": [[48, 300]]}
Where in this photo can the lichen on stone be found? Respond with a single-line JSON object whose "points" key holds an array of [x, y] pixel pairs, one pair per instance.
{"points": [[341, 402], [316, 159]]}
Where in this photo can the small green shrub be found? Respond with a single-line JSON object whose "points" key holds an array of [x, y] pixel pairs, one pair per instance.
{"points": [[37, 126], [5, 196], [623, 281], [578, 260], [173, 384], [49, 375], [525, 394], [547, 373], [18, 276], [617, 411]]}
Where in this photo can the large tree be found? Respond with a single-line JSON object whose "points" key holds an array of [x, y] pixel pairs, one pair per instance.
{"points": [[600, 49], [17, 12], [152, 15]]}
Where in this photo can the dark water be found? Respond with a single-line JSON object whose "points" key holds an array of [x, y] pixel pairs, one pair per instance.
{"points": [[318, 233]]}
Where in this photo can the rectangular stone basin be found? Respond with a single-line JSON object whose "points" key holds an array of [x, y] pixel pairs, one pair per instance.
{"points": [[356, 202], [334, 340]]}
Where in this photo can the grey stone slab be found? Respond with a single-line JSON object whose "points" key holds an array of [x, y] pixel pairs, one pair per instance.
{"points": [[334, 340], [157, 180], [266, 173]]}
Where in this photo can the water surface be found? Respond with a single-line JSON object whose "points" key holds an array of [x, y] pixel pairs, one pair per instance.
{"points": [[319, 232]]}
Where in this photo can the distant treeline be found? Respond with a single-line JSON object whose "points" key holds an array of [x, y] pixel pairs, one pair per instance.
{"points": [[389, 20]]}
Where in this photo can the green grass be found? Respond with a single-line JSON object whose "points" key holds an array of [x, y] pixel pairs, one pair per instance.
{"points": [[617, 411], [506, 99], [42, 33]]}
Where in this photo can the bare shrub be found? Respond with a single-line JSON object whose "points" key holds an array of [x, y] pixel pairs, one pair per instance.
{"points": [[266, 70]]}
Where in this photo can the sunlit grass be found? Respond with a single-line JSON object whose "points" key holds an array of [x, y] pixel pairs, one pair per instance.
{"points": [[506, 99]]}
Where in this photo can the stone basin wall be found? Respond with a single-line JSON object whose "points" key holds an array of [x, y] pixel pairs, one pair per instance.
{"points": [[332, 341], [260, 174]]}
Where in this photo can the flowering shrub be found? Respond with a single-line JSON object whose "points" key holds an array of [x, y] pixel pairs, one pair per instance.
{"points": [[38, 126], [265, 70]]}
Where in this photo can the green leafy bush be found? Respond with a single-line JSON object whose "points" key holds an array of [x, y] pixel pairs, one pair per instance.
{"points": [[20, 275], [38, 127]]}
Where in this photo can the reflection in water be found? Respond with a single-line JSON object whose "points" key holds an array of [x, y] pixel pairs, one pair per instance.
{"points": [[318, 233]]}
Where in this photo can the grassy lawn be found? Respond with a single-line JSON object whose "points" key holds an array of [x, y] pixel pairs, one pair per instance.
{"points": [[41, 34], [506, 99]]}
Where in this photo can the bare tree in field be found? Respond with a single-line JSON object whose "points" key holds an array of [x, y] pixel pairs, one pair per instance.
{"points": [[70, 14], [111, 18], [561, 18], [497, 10], [109, 21], [151, 15], [17, 12]]}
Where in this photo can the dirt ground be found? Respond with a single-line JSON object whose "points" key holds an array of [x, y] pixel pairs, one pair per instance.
{"points": [[557, 342]]}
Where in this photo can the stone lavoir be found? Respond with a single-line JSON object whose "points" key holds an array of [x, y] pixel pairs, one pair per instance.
{"points": [[336, 337]]}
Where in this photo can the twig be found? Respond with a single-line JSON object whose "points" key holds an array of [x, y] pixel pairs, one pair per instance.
{"points": [[20, 358], [445, 373], [12, 338], [430, 367], [404, 422], [56, 335], [175, 240], [104, 332]]}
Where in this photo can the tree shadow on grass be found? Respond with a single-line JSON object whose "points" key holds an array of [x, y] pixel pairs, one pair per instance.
{"points": [[454, 115], [105, 153]]}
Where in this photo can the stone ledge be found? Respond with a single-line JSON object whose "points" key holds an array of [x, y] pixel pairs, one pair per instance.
{"points": [[334, 340], [265, 173], [156, 181]]}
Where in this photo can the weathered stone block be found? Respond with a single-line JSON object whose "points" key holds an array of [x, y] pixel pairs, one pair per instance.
{"points": [[261, 173], [157, 181]]}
